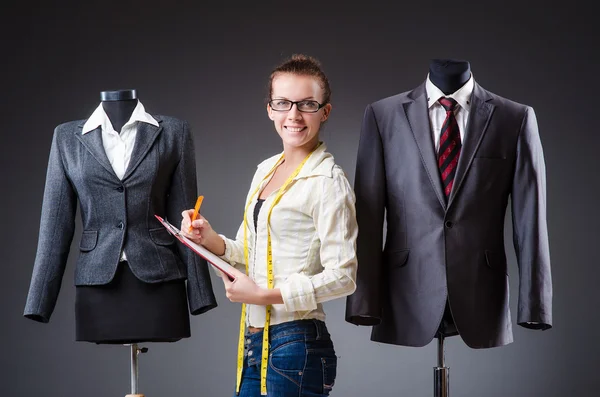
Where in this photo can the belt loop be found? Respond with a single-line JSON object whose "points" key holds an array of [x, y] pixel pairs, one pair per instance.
{"points": [[317, 328]]}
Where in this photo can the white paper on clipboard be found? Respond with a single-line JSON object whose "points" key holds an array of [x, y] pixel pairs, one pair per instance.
{"points": [[213, 259]]}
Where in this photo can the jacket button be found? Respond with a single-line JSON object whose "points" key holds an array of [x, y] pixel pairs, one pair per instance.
{"points": [[120, 225], [119, 189], [449, 224]]}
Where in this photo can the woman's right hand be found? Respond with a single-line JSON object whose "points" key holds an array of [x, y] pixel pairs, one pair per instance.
{"points": [[201, 232]]}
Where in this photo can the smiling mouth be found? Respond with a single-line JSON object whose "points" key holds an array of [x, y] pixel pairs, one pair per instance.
{"points": [[294, 129]]}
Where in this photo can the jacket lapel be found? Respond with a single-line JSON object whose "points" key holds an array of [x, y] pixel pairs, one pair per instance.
{"points": [[479, 118], [418, 119], [93, 143], [145, 137]]}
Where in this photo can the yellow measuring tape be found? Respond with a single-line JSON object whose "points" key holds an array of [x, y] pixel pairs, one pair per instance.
{"points": [[270, 283]]}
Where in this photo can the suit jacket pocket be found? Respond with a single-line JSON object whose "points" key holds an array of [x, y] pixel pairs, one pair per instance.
{"points": [[161, 236], [89, 238], [397, 258], [496, 261]]}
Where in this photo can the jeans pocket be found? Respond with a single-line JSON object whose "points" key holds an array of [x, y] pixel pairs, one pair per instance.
{"points": [[329, 373], [289, 360]]}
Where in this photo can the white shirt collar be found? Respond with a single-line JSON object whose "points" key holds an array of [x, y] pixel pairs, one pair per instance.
{"points": [[100, 119], [462, 96], [320, 163]]}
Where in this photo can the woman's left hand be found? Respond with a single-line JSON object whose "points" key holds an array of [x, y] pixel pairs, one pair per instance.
{"points": [[244, 290]]}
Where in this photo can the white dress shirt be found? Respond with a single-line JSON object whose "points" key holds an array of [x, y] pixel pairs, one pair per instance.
{"points": [[313, 234], [437, 113], [118, 147]]}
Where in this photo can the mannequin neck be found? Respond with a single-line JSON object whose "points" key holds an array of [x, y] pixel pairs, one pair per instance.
{"points": [[449, 75], [119, 105]]}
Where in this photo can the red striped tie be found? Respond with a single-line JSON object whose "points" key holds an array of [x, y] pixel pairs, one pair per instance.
{"points": [[450, 145]]}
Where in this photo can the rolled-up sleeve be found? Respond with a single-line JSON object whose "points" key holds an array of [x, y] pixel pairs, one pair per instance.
{"points": [[335, 221]]}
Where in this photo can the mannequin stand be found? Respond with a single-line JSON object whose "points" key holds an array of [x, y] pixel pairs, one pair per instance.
{"points": [[441, 373], [135, 350]]}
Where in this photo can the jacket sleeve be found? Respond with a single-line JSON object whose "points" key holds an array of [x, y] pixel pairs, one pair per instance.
{"points": [[57, 225], [530, 233], [363, 307], [183, 195]]}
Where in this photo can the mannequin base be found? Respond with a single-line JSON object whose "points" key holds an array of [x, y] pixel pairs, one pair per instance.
{"points": [[134, 395]]}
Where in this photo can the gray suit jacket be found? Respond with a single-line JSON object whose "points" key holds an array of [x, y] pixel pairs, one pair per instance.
{"points": [[117, 214], [433, 250]]}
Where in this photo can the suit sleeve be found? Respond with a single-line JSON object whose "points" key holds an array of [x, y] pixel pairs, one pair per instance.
{"points": [[530, 233], [183, 194], [57, 226], [363, 307]]}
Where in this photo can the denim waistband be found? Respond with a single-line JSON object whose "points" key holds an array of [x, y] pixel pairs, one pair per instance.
{"points": [[311, 328]]}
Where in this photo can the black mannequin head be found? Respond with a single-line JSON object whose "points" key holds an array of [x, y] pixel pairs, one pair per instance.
{"points": [[449, 74], [119, 106]]}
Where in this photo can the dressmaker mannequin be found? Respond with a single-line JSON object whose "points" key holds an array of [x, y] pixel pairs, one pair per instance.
{"points": [[119, 105], [436, 247], [449, 76], [133, 283]]}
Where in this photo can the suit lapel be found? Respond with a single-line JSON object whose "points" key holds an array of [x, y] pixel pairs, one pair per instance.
{"points": [[479, 118], [93, 143], [418, 119], [145, 137]]}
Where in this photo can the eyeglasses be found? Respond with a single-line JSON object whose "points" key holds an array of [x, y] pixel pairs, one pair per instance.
{"points": [[283, 105]]}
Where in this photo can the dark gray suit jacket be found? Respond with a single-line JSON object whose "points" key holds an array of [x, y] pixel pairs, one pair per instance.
{"points": [[117, 214], [433, 250]]}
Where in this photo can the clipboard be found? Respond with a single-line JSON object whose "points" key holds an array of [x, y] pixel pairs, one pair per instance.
{"points": [[213, 259]]}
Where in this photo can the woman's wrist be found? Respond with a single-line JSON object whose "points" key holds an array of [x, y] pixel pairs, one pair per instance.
{"points": [[270, 296], [222, 247], [216, 245]]}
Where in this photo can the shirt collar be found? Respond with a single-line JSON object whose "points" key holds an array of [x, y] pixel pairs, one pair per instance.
{"points": [[100, 119], [319, 163], [462, 96]]}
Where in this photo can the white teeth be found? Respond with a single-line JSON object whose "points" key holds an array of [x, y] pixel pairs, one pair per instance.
{"points": [[291, 129]]}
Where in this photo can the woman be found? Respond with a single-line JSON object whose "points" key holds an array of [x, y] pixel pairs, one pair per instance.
{"points": [[296, 247]]}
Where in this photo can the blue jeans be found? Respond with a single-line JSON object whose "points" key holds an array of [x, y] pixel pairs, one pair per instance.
{"points": [[302, 361]]}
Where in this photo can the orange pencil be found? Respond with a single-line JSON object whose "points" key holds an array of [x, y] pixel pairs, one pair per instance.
{"points": [[196, 211]]}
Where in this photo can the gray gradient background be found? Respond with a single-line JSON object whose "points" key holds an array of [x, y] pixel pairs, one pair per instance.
{"points": [[209, 65]]}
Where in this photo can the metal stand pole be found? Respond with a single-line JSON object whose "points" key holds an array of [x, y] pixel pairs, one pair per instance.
{"points": [[441, 373], [134, 369]]}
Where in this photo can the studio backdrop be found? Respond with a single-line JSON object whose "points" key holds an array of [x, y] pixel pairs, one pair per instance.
{"points": [[201, 73]]}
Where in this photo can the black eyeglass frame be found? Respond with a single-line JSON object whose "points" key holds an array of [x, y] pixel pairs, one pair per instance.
{"points": [[292, 103]]}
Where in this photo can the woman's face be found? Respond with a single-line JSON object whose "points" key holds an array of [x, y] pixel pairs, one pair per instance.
{"points": [[297, 128]]}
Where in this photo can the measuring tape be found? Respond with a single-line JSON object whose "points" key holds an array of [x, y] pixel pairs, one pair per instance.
{"points": [[270, 283]]}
